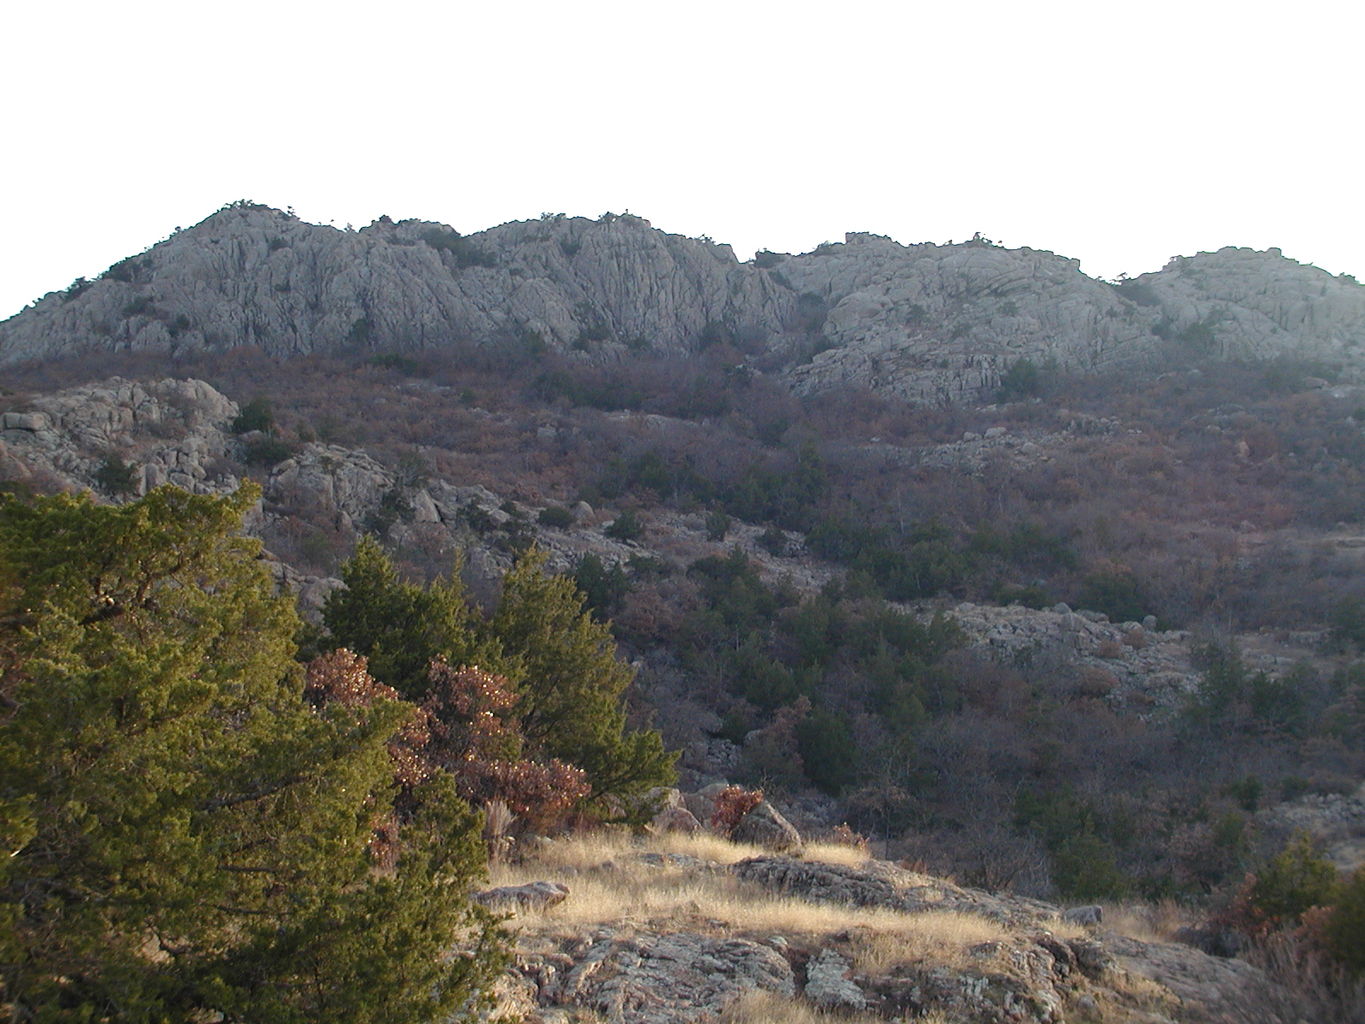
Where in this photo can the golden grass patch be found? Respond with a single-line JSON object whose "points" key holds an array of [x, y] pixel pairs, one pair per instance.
{"points": [[1147, 922], [771, 1008], [938, 935], [612, 884], [837, 853]]}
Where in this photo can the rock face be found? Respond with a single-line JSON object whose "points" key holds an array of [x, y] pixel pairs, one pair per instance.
{"points": [[695, 969], [1210, 989], [250, 275], [531, 896], [660, 979], [926, 322], [168, 431], [765, 826], [1241, 303], [882, 884], [828, 985], [1335, 820], [934, 323]]}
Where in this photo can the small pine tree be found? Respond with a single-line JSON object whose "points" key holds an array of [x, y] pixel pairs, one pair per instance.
{"points": [[115, 477], [572, 683], [1295, 879], [1346, 926], [402, 627], [254, 415]]}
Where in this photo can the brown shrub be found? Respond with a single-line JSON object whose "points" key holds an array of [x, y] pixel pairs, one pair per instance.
{"points": [[474, 738], [732, 804], [1109, 649]]}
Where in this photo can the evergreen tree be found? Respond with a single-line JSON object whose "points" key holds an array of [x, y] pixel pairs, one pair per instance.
{"points": [[403, 627], [562, 663], [183, 834], [572, 683]]}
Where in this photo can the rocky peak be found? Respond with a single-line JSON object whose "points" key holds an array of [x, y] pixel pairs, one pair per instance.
{"points": [[926, 322], [1241, 303]]}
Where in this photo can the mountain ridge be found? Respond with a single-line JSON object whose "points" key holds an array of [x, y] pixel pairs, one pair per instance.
{"points": [[923, 322]]}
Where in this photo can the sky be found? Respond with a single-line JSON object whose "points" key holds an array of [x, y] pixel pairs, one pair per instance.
{"points": [[1121, 134]]}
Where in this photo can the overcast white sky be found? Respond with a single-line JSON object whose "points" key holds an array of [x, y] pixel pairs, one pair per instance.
{"points": [[1118, 133]]}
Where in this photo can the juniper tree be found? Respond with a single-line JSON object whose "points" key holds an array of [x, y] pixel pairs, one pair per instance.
{"points": [[402, 627], [563, 665], [572, 683], [184, 835]]}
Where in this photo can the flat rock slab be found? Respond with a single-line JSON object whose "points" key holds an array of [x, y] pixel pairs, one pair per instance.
{"points": [[531, 896], [681, 978]]}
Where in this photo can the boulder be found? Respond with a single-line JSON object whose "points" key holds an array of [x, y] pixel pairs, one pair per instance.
{"points": [[766, 827], [828, 985], [1088, 916], [677, 819], [680, 978], [530, 896]]}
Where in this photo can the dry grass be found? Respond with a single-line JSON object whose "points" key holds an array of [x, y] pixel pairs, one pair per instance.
{"points": [[838, 853], [941, 936], [770, 1008], [1147, 922], [610, 884]]}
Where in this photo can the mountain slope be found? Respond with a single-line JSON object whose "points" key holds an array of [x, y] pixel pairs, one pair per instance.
{"points": [[927, 322]]}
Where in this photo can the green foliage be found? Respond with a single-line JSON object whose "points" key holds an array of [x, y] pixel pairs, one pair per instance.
{"points": [[393, 507], [579, 386], [460, 249], [1348, 624], [717, 525], [185, 836], [776, 654], [1084, 868], [133, 270], [1116, 592], [402, 627], [1278, 702], [1026, 545], [399, 363], [783, 489], [115, 477], [140, 306], [920, 562], [1083, 856], [1346, 926], [773, 541], [1137, 291], [572, 684], [362, 331], [827, 749], [1200, 335], [1223, 681], [604, 589], [556, 516], [1296, 879], [626, 526], [267, 451], [254, 415], [1024, 379], [561, 662], [1246, 791], [1227, 689]]}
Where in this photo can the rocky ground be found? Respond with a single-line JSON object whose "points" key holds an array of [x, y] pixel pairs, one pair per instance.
{"points": [[680, 929]]}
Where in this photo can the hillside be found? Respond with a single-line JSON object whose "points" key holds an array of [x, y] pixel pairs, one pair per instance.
{"points": [[717, 930], [1045, 583]]}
